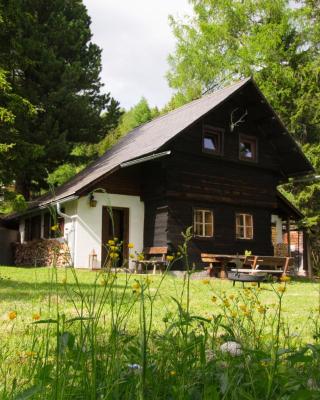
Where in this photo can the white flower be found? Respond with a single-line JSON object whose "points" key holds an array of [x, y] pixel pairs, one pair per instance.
{"points": [[135, 367], [233, 348]]}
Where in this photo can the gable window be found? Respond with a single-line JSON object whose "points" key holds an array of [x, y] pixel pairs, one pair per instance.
{"points": [[203, 223], [244, 226], [247, 148], [212, 140]]}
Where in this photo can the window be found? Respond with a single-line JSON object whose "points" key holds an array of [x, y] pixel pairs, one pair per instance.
{"points": [[247, 148], [244, 226], [203, 223], [212, 140]]}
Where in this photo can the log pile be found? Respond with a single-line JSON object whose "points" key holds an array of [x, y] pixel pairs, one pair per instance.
{"points": [[42, 253]]}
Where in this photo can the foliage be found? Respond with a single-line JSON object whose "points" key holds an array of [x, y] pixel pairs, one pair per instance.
{"points": [[137, 115], [63, 173], [46, 49], [275, 41]]}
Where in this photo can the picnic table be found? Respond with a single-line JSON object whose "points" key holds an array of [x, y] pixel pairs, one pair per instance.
{"points": [[223, 260]]}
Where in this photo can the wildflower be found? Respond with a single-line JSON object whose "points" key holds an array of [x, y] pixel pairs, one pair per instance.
{"points": [[261, 309], [36, 316], [206, 281], [282, 288], [114, 256], [233, 348], [111, 242], [113, 248], [12, 315], [130, 245], [254, 284], [30, 353], [246, 313], [136, 286], [243, 307], [285, 278], [131, 255], [173, 373], [226, 303], [55, 227], [213, 299], [231, 297], [233, 314], [140, 257], [170, 258]]}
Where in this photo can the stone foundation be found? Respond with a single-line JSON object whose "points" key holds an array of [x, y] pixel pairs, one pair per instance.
{"points": [[42, 253]]}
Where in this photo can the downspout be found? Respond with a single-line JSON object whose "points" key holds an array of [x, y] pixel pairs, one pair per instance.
{"points": [[72, 218]]}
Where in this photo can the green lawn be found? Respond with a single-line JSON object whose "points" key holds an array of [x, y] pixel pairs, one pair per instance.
{"points": [[28, 290], [87, 335]]}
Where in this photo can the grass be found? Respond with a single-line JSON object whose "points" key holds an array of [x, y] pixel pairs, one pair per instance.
{"points": [[26, 290], [87, 335]]}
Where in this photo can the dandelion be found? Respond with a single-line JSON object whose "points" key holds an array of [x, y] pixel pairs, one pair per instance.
{"points": [[282, 288], [12, 315], [173, 373], [213, 299], [130, 245], [170, 258], [36, 316], [285, 278], [206, 281]]}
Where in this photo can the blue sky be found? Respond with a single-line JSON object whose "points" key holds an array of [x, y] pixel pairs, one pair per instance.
{"points": [[136, 39]]}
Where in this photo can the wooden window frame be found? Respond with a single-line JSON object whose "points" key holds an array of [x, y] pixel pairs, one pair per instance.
{"points": [[245, 226], [254, 141], [207, 131], [203, 223]]}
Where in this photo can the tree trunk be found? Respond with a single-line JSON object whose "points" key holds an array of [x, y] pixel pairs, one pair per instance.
{"points": [[22, 187]]}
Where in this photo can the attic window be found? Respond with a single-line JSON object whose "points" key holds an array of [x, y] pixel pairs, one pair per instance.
{"points": [[247, 148], [212, 140]]}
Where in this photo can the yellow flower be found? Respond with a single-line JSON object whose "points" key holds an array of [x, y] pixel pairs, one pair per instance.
{"points": [[130, 245], [231, 297], [246, 313], [55, 227], [285, 278], [30, 353], [136, 286], [233, 314], [213, 299], [114, 256], [131, 255], [111, 242], [140, 256], [173, 373], [254, 284], [36, 316], [170, 258], [243, 307], [261, 309], [12, 315], [226, 303], [206, 281], [113, 248], [282, 288]]}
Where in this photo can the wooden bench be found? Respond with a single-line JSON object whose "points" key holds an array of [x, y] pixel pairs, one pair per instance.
{"points": [[153, 256], [217, 263], [273, 265]]}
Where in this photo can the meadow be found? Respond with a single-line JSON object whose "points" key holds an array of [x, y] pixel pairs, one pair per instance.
{"points": [[72, 334]]}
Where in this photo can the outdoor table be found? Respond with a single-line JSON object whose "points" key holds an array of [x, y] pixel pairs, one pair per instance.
{"points": [[224, 259]]}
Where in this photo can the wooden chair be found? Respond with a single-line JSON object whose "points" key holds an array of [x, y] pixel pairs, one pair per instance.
{"points": [[154, 256]]}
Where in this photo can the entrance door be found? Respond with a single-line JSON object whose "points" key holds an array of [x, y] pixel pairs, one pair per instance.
{"points": [[115, 224]]}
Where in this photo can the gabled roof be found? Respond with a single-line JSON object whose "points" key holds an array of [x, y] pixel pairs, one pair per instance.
{"points": [[151, 137]]}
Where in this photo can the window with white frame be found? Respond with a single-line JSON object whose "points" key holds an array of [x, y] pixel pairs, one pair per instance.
{"points": [[203, 223], [244, 226]]}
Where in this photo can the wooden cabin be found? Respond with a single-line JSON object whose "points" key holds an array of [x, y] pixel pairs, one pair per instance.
{"points": [[213, 164]]}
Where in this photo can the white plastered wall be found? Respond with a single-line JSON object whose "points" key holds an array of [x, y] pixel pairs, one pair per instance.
{"points": [[275, 219], [88, 224]]}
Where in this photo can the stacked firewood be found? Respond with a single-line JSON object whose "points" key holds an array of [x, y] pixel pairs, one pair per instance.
{"points": [[42, 253]]}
